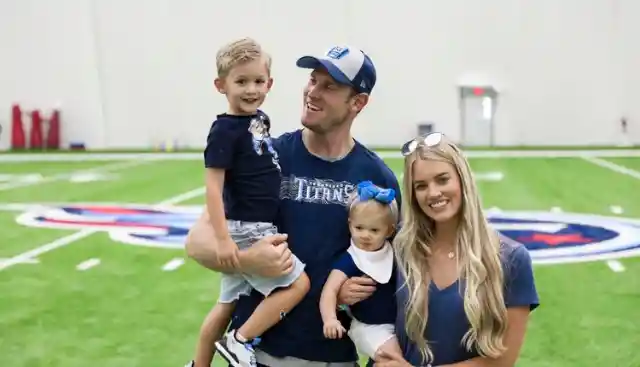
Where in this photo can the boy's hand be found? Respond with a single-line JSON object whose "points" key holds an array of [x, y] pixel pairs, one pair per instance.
{"points": [[333, 329], [228, 253]]}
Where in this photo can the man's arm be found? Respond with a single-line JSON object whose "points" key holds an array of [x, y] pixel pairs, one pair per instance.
{"points": [[269, 257], [201, 245], [227, 248]]}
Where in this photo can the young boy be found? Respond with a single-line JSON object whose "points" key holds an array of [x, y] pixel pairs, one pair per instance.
{"points": [[243, 187]]}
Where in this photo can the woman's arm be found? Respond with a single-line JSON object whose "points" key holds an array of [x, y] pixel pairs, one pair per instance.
{"points": [[517, 319], [513, 340]]}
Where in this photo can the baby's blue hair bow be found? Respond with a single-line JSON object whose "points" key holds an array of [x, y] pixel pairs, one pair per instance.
{"points": [[367, 190]]}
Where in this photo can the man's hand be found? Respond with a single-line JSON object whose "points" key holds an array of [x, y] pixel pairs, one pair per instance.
{"points": [[270, 257], [356, 289]]}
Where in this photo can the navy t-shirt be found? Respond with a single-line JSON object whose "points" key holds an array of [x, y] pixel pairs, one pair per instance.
{"points": [[380, 307], [241, 145], [313, 212], [447, 320]]}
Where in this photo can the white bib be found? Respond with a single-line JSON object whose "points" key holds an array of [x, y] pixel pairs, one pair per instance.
{"points": [[376, 264]]}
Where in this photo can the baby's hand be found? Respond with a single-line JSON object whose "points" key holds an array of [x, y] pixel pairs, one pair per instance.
{"points": [[333, 329]]}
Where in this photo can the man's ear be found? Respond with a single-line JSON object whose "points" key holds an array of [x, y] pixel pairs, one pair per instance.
{"points": [[359, 102], [219, 84]]}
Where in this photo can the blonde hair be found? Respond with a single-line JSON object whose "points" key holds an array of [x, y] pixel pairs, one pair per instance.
{"points": [[239, 52], [354, 203], [479, 259]]}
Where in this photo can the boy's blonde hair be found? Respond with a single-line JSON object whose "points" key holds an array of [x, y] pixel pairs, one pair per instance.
{"points": [[239, 52]]}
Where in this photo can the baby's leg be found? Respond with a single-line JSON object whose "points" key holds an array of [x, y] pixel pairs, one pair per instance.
{"points": [[212, 329]]}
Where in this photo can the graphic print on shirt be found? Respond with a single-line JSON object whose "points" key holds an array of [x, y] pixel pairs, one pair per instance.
{"points": [[315, 190], [260, 137]]}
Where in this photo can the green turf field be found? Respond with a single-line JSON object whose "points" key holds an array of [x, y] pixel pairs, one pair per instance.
{"points": [[84, 294]]}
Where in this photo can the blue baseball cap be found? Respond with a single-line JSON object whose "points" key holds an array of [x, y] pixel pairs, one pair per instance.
{"points": [[347, 65]]}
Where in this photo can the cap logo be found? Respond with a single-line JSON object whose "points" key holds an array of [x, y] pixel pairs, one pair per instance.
{"points": [[338, 52]]}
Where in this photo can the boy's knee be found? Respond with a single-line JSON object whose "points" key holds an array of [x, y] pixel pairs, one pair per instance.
{"points": [[303, 283], [224, 309]]}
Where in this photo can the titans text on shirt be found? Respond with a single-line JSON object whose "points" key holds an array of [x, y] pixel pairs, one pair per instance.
{"points": [[313, 212], [242, 147]]}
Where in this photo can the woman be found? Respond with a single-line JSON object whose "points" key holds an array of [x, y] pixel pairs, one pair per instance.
{"points": [[464, 296]]}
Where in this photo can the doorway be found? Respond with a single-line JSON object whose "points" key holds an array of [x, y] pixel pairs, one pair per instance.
{"points": [[477, 111]]}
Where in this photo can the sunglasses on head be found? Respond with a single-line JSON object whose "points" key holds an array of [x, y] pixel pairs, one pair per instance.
{"points": [[429, 140]]}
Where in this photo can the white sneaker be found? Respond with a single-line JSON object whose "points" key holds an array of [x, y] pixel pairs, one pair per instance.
{"points": [[190, 364], [236, 353]]}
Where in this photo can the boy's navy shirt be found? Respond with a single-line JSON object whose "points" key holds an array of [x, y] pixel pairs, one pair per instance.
{"points": [[447, 319], [313, 212], [380, 307], [252, 176]]}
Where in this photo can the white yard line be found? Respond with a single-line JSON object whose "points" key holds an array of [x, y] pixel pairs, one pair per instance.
{"points": [[173, 264], [117, 166], [29, 261], [615, 209], [71, 157], [183, 197], [614, 167], [616, 266], [88, 264], [66, 240], [19, 207], [75, 157]]}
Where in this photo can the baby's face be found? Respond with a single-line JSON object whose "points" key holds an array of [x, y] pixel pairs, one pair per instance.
{"points": [[369, 227]]}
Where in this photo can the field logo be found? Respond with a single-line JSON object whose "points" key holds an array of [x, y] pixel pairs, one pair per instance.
{"points": [[550, 237], [131, 224]]}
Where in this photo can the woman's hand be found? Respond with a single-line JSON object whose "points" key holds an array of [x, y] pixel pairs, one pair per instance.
{"points": [[384, 358]]}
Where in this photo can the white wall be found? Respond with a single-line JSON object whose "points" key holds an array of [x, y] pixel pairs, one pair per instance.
{"points": [[130, 72]]}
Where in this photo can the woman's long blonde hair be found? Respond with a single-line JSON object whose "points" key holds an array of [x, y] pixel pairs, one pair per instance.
{"points": [[478, 249]]}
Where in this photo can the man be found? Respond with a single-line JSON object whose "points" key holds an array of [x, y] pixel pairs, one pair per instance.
{"points": [[321, 164]]}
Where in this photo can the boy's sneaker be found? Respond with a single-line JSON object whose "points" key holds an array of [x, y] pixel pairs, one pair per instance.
{"points": [[190, 364], [238, 354]]}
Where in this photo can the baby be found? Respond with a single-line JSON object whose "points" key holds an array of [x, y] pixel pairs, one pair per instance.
{"points": [[373, 215]]}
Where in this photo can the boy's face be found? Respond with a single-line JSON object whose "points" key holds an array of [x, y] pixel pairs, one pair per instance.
{"points": [[246, 87]]}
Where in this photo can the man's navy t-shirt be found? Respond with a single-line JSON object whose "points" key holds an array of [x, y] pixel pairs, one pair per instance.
{"points": [[447, 320], [313, 213], [241, 146]]}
